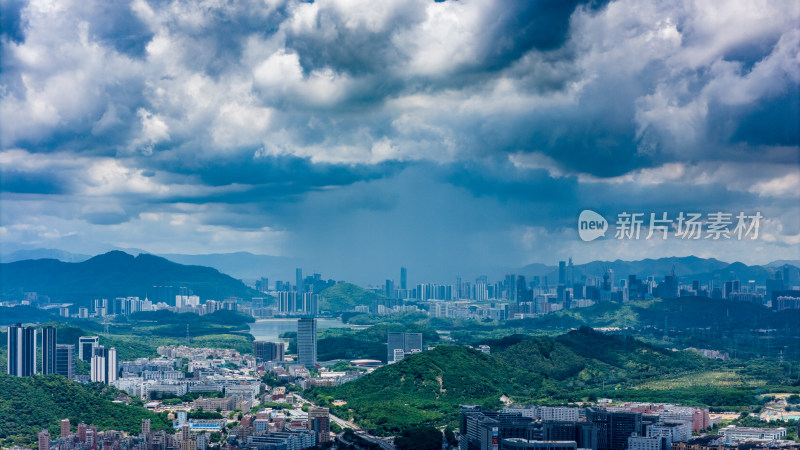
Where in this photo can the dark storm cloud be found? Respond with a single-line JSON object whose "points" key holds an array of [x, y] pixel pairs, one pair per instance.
{"points": [[11, 23], [772, 122], [26, 183], [509, 30]]}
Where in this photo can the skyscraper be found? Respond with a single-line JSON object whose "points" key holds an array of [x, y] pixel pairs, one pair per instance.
{"points": [[268, 351], [511, 287], [298, 275], [389, 289], [307, 341], [65, 360], [394, 341], [98, 365], [407, 342], [86, 345], [570, 273], [21, 350], [523, 293], [562, 272], [48, 350], [403, 278], [104, 365]]}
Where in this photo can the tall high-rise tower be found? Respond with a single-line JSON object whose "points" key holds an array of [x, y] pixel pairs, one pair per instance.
{"points": [[307, 341], [403, 278], [48, 350], [65, 360], [570, 273], [86, 345], [298, 275], [21, 350], [104, 365], [510, 285]]}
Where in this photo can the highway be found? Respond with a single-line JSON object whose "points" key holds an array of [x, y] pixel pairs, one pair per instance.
{"points": [[345, 424]]}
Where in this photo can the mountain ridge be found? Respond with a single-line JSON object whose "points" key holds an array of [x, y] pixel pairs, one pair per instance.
{"points": [[114, 274]]}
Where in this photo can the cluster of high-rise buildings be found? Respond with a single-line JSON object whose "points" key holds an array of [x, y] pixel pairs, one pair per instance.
{"points": [[624, 427], [517, 296], [310, 284], [299, 299], [22, 343]]}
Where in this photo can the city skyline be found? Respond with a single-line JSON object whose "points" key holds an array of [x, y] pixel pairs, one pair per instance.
{"points": [[426, 135]]}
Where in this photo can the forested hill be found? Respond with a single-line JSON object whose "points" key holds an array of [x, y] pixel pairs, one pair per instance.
{"points": [[345, 297], [427, 388], [28, 404], [681, 313], [114, 274]]}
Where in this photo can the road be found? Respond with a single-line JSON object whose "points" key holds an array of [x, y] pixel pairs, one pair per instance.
{"points": [[347, 424]]}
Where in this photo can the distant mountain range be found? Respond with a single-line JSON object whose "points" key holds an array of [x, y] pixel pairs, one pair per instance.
{"points": [[113, 274], [687, 268], [244, 265], [43, 253], [250, 267]]}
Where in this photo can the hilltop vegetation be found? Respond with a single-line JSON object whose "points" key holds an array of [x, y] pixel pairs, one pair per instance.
{"points": [[28, 404], [345, 297], [425, 389], [114, 274], [684, 312]]}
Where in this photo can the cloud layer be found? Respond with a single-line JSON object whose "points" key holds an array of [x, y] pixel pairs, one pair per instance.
{"points": [[362, 136]]}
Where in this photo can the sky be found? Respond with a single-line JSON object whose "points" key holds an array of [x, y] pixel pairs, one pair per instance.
{"points": [[360, 135]]}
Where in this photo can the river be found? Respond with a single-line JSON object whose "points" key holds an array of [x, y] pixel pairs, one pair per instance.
{"points": [[270, 329]]}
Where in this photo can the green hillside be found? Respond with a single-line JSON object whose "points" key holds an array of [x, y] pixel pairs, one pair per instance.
{"points": [[345, 297], [114, 274], [28, 404], [426, 388], [684, 312]]}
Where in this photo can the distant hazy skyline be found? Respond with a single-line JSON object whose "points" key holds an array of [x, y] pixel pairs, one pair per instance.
{"points": [[367, 135]]}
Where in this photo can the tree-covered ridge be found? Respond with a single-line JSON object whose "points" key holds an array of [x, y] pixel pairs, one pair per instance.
{"points": [[345, 297], [114, 274], [426, 388], [28, 404], [684, 312]]}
